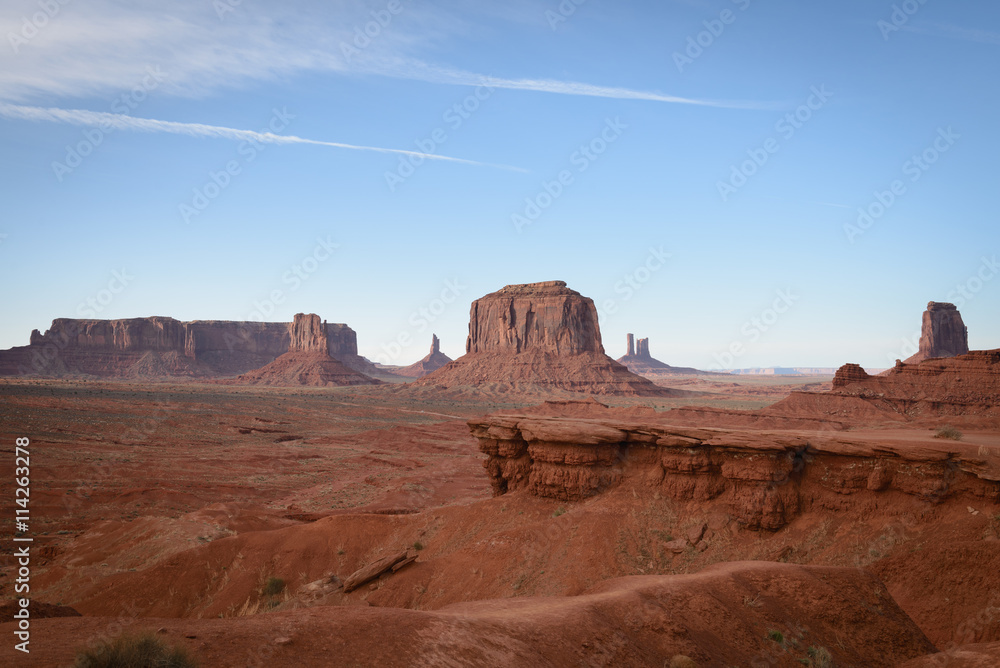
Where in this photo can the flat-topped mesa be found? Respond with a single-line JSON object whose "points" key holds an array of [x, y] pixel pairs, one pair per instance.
{"points": [[538, 337], [132, 334], [159, 346], [546, 317], [308, 334], [942, 333]]}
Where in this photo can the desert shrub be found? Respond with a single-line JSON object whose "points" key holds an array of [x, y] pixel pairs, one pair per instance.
{"points": [[559, 511], [135, 650], [821, 657], [418, 545], [273, 586], [776, 636], [948, 431]]}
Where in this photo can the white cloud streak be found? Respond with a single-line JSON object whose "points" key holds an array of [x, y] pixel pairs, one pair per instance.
{"points": [[103, 119], [105, 45]]}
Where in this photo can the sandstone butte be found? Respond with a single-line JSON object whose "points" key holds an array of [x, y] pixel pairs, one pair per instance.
{"points": [[162, 347], [433, 361], [538, 335], [942, 333], [307, 362], [638, 360]]}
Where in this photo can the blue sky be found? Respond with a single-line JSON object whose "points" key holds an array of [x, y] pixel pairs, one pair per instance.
{"points": [[695, 167]]}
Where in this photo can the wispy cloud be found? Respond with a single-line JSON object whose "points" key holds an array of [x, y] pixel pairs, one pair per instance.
{"points": [[103, 47], [433, 74], [107, 120]]}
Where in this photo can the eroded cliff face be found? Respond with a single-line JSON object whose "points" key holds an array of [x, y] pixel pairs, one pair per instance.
{"points": [[109, 335], [545, 317], [765, 478], [307, 334], [942, 333], [161, 346], [538, 337]]}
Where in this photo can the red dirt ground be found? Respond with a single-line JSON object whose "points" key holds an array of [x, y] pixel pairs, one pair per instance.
{"points": [[167, 506]]}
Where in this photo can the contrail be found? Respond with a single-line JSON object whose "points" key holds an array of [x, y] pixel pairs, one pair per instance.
{"points": [[442, 75], [105, 119], [590, 90]]}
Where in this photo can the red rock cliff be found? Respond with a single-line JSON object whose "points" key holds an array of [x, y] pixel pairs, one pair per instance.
{"points": [[161, 346], [307, 334], [547, 317], [942, 333], [538, 337], [766, 478], [965, 389]]}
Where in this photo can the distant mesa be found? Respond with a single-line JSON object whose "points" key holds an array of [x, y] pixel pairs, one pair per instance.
{"points": [[638, 360], [433, 361], [538, 336], [942, 333], [162, 347]]}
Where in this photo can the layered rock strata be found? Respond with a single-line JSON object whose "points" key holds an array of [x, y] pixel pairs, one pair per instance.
{"points": [[538, 336], [765, 478], [164, 347], [966, 387]]}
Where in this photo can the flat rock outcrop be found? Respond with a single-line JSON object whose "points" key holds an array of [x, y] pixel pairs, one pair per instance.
{"points": [[942, 333], [155, 347], [541, 336], [638, 360], [434, 360], [765, 478]]}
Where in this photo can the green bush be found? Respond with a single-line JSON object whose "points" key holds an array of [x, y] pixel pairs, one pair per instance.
{"points": [[776, 636], [273, 586], [135, 650]]}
